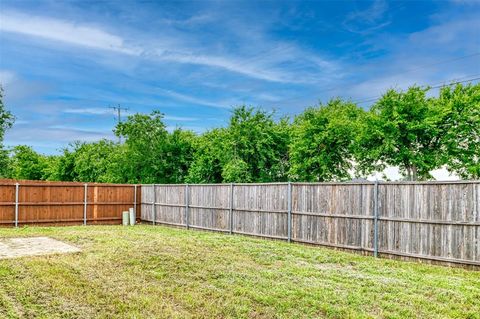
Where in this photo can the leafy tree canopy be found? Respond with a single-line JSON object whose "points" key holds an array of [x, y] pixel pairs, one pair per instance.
{"points": [[401, 129], [27, 164], [329, 142], [152, 155], [6, 122], [6, 118], [460, 129], [323, 142], [252, 148]]}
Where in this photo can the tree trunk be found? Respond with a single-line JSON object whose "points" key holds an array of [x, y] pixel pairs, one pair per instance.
{"points": [[414, 173], [409, 173]]}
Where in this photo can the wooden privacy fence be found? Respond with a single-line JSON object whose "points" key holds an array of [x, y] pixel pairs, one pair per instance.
{"points": [[33, 202], [438, 221]]}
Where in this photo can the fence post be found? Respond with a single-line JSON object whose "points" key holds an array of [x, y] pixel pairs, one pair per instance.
{"points": [[231, 209], [17, 186], [375, 222], [135, 200], [476, 210], [186, 205], [85, 204], [154, 203], [289, 215]]}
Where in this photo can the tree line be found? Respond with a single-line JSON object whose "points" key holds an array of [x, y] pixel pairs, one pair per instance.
{"points": [[333, 141]]}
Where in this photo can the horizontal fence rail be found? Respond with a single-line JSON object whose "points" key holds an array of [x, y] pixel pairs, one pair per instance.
{"points": [[437, 221], [35, 202]]}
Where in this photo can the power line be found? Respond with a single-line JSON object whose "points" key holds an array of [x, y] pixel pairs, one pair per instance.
{"points": [[333, 88], [425, 66], [119, 117], [442, 62], [435, 86]]}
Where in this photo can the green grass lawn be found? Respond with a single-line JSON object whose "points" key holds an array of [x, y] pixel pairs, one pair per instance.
{"points": [[161, 272]]}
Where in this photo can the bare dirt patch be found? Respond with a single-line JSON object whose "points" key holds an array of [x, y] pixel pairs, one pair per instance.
{"points": [[33, 246]]}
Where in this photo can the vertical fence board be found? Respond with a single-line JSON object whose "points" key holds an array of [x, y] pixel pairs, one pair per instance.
{"points": [[7, 204], [423, 215], [339, 215], [63, 202], [210, 206], [261, 209], [438, 221]]}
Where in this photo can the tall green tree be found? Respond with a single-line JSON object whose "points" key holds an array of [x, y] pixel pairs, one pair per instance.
{"points": [[152, 154], [258, 144], [6, 117], [402, 129], [50, 171], [64, 166], [5, 165], [323, 142], [6, 122], [27, 164], [120, 167], [209, 157], [179, 153], [145, 138], [81, 162], [253, 148], [460, 129], [92, 161]]}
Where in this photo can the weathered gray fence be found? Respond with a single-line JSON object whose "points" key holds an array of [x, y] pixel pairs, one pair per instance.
{"points": [[432, 220]]}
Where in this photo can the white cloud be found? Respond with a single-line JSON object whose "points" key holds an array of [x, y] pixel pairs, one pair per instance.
{"points": [[465, 2], [445, 51], [16, 88], [190, 99], [6, 77], [180, 118], [64, 31], [88, 110], [446, 35], [58, 133], [230, 64], [369, 20], [108, 111], [172, 48]]}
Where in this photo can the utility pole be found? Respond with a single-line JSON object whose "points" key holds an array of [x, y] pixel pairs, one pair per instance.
{"points": [[119, 117]]}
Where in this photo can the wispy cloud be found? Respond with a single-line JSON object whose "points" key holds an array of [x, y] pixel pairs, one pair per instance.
{"points": [[62, 64], [6, 77], [88, 110], [430, 56], [106, 111], [64, 31], [190, 98], [368, 20], [231, 64], [264, 66], [17, 88], [58, 133], [180, 118], [466, 2]]}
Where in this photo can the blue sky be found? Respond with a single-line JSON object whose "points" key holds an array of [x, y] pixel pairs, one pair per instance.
{"points": [[63, 63]]}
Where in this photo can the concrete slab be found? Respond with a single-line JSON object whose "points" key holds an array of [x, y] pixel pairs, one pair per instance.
{"points": [[33, 246]]}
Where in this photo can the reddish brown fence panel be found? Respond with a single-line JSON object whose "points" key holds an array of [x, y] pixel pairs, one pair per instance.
{"points": [[64, 202]]}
